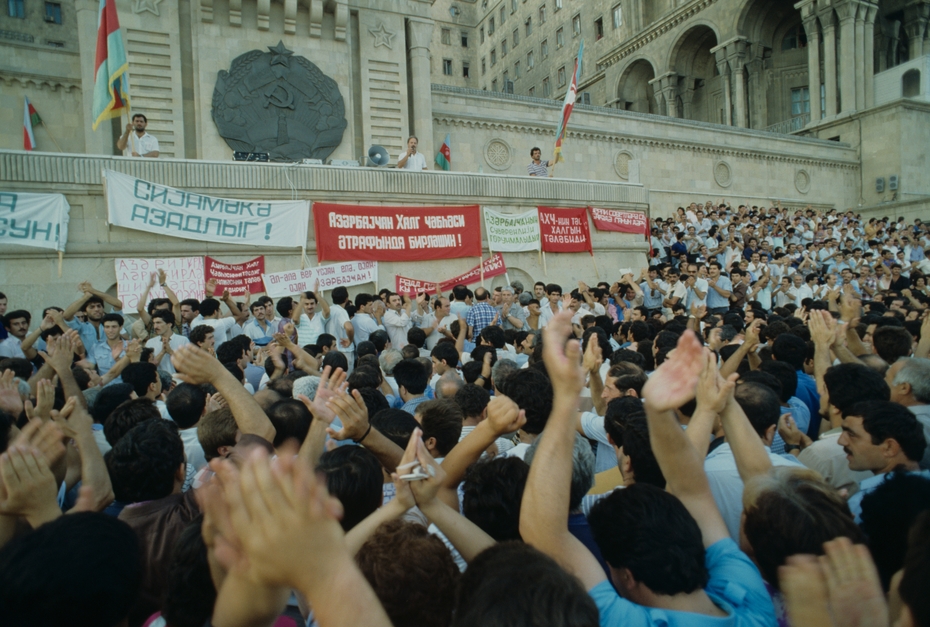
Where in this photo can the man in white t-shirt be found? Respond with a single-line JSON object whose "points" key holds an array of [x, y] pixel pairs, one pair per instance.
{"points": [[166, 341], [136, 141], [339, 325], [223, 328], [412, 160], [675, 291]]}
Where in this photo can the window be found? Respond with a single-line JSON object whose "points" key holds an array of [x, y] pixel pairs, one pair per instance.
{"points": [[504, 48], [494, 85], [464, 39], [585, 98], [561, 76], [490, 26], [559, 38], [598, 28], [546, 88], [513, 6], [576, 25], [481, 34], [516, 70], [53, 12], [544, 49], [484, 67], [558, 4], [16, 8], [618, 16], [493, 57], [542, 14], [530, 61], [446, 36], [529, 26], [794, 38], [910, 84], [447, 67], [464, 69], [800, 101], [506, 77], [532, 92], [516, 36], [502, 15]]}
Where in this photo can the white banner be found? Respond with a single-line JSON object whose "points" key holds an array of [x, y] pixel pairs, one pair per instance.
{"points": [[184, 275], [278, 284], [137, 204], [37, 220], [512, 232]]}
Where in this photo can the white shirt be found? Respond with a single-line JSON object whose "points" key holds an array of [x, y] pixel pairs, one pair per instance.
{"points": [[12, 347], [335, 326], [141, 145], [176, 342], [309, 330], [364, 325], [425, 321], [222, 328], [397, 325], [416, 161]]}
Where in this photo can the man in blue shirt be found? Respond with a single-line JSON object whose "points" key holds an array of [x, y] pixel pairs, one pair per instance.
{"points": [[92, 304], [669, 553], [719, 289]]}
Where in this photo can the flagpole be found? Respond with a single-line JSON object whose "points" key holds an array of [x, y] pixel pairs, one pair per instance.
{"points": [[56, 146], [596, 271]]}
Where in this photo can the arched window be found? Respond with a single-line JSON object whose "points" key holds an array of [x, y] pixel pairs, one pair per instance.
{"points": [[910, 84], [794, 38]]}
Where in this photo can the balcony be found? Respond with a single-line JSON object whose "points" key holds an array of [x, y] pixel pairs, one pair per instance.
{"points": [[787, 127]]}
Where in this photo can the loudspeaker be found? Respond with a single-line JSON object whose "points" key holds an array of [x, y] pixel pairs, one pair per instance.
{"points": [[880, 185], [893, 183], [241, 155], [377, 157]]}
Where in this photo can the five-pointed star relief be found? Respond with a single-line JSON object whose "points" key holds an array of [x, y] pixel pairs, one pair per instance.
{"points": [[280, 54], [382, 36], [138, 6]]}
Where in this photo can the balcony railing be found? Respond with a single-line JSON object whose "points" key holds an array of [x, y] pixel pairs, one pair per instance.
{"points": [[786, 127]]}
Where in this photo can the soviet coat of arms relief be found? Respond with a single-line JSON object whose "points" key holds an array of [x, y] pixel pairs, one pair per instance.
{"points": [[279, 103]]}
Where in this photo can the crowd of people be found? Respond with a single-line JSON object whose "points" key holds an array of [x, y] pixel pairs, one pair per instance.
{"points": [[735, 433]]}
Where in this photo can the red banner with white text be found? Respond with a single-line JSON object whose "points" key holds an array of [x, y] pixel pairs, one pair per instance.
{"points": [[619, 221], [368, 233], [238, 278], [493, 266], [565, 230]]}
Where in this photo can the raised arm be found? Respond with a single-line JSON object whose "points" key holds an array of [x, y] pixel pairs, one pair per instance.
{"points": [[144, 300], [352, 412], [110, 300], [198, 367], [544, 511], [671, 386]]}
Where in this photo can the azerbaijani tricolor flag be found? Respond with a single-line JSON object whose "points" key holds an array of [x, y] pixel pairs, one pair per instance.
{"points": [[567, 107], [30, 118], [111, 88], [444, 157]]}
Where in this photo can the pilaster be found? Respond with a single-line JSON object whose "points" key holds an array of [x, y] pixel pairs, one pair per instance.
{"points": [[419, 36]]}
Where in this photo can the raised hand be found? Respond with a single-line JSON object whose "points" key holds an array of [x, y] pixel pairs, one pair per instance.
{"points": [[45, 400], [210, 288], [789, 432], [162, 276], [673, 383], [59, 353], [713, 391], [195, 365], [10, 400], [822, 327], [504, 415], [593, 356], [855, 592], [43, 436], [563, 360], [751, 335], [73, 419], [29, 486], [330, 386], [353, 413]]}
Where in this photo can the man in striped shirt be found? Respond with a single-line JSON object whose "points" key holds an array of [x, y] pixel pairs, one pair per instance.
{"points": [[538, 168]]}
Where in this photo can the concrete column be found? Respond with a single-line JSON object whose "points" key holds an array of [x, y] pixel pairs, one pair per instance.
{"points": [[870, 55], [861, 10], [828, 25], [813, 65], [736, 55], [723, 67], [916, 16], [99, 142], [847, 14], [658, 97], [669, 84], [687, 98], [419, 35], [758, 106]]}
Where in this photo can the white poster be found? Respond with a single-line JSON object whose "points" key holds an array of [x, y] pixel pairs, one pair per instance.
{"points": [[137, 204], [512, 232], [289, 282], [184, 275], [37, 220]]}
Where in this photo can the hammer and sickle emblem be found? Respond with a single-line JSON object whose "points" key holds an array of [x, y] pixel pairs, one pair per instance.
{"points": [[280, 97]]}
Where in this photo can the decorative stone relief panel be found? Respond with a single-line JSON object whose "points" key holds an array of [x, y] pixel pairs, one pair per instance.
{"points": [[723, 174], [498, 154], [802, 181], [622, 164]]}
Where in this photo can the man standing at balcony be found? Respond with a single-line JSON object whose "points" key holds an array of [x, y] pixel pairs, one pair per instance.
{"points": [[140, 143], [538, 168], [412, 160]]}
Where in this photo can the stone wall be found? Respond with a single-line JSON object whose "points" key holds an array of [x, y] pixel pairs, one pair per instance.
{"points": [[29, 275], [677, 161]]}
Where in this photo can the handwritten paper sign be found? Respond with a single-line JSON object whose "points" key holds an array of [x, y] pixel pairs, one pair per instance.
{"points": [[184, 275]]}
